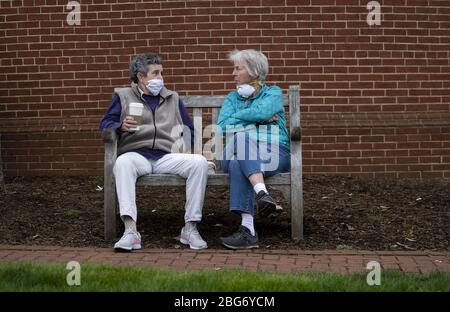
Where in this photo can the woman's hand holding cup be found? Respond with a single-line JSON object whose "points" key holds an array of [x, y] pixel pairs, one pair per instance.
{"points": [[129, 124]]}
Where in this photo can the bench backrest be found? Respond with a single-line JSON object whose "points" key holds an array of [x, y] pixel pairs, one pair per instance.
{"points": [[214, 103]]}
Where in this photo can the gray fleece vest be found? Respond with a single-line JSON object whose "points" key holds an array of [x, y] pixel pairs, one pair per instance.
{"points": [[157, 128]]}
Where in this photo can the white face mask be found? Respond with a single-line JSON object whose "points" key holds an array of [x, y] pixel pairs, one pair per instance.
{"points": [[155, 86], [245, 90]]}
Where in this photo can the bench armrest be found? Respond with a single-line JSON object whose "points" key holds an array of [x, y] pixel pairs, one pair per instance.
{"points": [[109, 135], [110, 138], [296, 134]]}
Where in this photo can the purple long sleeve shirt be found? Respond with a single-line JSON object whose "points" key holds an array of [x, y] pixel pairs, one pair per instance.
{"points": [[111, 119]]}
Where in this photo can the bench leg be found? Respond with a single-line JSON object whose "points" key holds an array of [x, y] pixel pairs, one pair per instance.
{"points": [[297, 213], [110, 210]]}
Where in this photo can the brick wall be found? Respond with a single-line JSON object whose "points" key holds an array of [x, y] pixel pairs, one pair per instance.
{"points": [[375, 99]]}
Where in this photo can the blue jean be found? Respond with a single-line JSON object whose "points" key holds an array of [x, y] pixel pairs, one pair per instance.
{"points": [[258, 157]]}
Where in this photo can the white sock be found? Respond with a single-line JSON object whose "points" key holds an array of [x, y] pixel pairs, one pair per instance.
{"points": [[129, 223], [247, 221], [260, 187]]}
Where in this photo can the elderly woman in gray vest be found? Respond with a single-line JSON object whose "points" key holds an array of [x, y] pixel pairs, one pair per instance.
{"points": [[150, 148]]}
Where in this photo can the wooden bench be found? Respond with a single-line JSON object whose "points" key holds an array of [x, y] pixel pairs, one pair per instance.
{"points": [[290, 184]]}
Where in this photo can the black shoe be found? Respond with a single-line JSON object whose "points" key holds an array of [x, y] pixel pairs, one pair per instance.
{"points": [[242, 239], [266, 205]]}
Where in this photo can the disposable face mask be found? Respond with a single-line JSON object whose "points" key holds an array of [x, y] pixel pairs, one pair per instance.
{"points": [[155, 86], [245, 90]]}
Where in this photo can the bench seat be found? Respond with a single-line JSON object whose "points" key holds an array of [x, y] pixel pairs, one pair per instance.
{"points": [[217, 179]]}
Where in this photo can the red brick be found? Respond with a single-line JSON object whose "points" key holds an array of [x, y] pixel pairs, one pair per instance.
{"points": [[324, 169], [349, 153], [355, 77], [432, 175]]}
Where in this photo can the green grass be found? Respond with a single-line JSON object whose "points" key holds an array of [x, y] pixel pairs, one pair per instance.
{"points": [[23, 276]]}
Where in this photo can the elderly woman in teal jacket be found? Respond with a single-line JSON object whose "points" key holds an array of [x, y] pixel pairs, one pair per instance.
{"points": [[253, 120]]}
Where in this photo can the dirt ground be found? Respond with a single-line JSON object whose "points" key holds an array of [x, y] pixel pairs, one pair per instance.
{"points": [[340, 212]]}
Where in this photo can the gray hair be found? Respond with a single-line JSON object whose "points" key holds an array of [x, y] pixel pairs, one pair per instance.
{"points": [[140, 63], [254, 61]]}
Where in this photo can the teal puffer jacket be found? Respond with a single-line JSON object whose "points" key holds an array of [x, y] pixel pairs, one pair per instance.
{"points": [[251, 115]]}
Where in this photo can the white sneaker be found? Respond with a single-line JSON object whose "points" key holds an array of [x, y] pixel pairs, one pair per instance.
{"points": [[192, 238], [130, 240]]}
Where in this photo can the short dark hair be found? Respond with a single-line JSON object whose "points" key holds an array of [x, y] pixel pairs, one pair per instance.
{"points": [[140, 63]]}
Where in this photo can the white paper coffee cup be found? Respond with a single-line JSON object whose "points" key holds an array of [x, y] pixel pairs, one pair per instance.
{"points": [[136, 110]]}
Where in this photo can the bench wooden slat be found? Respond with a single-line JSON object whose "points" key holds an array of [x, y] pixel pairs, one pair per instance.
{"points": [[213, 180], [198, 135], [213, 101], [214, 114], [203, 101]]}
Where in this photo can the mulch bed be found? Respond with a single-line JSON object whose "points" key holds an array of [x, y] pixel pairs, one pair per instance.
{"points": [[340, 212]]}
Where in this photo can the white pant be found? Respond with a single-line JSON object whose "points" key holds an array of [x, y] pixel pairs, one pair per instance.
{"points": [[131, 165]]}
